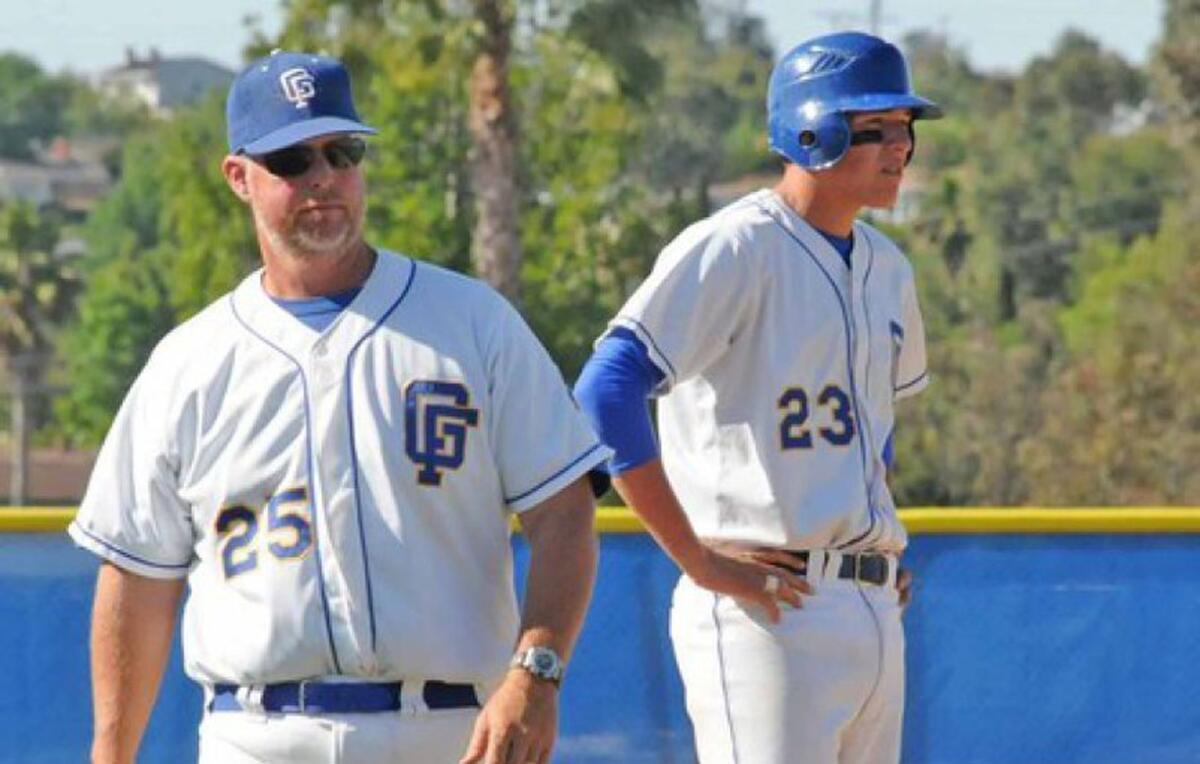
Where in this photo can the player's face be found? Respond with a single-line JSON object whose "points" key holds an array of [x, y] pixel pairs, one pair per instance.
{"points": [[870, 173], [309, 200]]}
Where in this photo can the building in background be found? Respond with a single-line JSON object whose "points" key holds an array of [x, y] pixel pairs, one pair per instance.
{"points": [[69, 175], [164, 83]]}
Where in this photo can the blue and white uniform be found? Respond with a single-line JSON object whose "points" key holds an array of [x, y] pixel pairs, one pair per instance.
{"points": [[339, 500], [778, 365]]}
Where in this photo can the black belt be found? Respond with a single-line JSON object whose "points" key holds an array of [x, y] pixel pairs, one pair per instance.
{"points": [[866, 568], [342, 697]]}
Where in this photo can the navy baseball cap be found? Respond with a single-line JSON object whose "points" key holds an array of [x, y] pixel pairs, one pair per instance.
{"points": [[287, 98]]}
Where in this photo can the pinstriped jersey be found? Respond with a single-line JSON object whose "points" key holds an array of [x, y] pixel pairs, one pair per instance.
{"points": [[781, 367], [339, 501]]}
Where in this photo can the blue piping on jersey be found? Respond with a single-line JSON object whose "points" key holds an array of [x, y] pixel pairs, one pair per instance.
{"points": [[118, 550], [553, 477], [862, 450], [721, 671], [649, 336], [867, 430], [337, 665], [362, 538]]}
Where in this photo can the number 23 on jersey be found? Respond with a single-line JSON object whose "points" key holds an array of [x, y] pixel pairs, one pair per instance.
{"points": [[795, 431]]}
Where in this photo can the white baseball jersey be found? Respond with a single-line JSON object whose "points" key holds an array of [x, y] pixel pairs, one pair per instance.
{"points": [[339, 501], [781, 368]]}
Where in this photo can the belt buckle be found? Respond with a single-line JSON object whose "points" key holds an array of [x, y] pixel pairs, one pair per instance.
{"points": [[858, 571]]}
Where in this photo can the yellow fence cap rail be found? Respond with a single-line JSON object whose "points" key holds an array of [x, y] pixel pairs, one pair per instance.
{"points": [[923, 520], [978, 520]]}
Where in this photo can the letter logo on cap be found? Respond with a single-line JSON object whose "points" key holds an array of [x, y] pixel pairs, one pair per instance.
{"points": [[298, 86]]}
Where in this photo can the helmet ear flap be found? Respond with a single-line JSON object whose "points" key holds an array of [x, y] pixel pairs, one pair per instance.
{"points": [[814, 142], [827, 138]]}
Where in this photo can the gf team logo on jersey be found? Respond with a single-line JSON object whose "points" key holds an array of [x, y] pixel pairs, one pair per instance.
{"points": [[298, 86], [437, 418]]}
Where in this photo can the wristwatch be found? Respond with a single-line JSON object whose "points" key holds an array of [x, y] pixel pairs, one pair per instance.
{"points": [[542, 662]]}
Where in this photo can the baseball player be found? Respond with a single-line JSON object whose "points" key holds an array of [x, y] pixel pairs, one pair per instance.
{"points": [[330, 455], [777, 335]]}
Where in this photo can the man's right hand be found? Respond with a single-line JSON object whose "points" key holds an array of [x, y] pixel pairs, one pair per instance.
{"points": [[747, 574], [761, 576]]}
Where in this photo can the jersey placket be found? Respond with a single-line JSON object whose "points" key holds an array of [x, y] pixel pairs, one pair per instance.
{"points": [[333, 478], [862, 262]]}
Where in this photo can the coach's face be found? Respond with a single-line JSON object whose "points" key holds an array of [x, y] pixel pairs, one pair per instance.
{"points": [[308, 199], [870, 173]]}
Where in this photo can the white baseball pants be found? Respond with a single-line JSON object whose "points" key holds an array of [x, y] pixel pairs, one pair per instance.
{"points": [[823, 686], [427, 737]]}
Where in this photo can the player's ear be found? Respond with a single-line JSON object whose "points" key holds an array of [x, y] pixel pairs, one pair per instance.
{"points": [[234, 168]]}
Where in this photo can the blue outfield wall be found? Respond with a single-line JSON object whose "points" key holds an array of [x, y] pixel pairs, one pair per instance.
{"points": [[1021, 648]]}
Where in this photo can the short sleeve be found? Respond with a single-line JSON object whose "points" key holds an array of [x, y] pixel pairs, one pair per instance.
{"points": [[912, 375], [693, 304], [132, 514], [541, 440]]}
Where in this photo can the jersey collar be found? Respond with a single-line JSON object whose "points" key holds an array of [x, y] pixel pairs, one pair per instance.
{"points": [[262, 316]]}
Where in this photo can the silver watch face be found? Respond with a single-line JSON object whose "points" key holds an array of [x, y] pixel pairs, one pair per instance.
{"points": [[543, 662]]}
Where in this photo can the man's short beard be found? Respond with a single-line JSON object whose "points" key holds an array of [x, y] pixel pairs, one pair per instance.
{"points": [[297, 241]]}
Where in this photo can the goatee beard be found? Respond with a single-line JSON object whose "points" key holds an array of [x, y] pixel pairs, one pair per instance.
{"points": [[301, 243]]}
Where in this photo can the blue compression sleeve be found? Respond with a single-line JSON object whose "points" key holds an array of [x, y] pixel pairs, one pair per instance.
{"points": [[612, 391]]}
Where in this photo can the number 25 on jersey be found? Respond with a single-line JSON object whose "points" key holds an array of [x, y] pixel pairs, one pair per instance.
{"points": [[288, 535]]}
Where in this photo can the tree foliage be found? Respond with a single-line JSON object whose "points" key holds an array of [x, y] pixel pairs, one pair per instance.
{"points": [[1056, 273], [36, 108], [1052, 227]]}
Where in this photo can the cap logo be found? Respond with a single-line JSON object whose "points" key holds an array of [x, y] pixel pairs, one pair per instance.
{"points": [[298, 86]]}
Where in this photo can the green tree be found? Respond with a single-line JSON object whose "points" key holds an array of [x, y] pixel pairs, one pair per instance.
{"points": [[1175, 66], [170, 239], [1025, 185], [32, 105], [36, 290], [1120, 184], [586, 227], [1123, 423], [38, 107], [125, 307], [208, 230], [706, 121]]}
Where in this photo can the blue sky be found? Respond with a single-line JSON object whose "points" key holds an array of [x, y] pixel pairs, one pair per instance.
{"points": [[87, 36]]}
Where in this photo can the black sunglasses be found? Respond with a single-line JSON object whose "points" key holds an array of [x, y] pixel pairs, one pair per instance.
{"points": [[294, 161]]}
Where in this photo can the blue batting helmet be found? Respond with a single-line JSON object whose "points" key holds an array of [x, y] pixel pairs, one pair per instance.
{"points": [[819, 82]]}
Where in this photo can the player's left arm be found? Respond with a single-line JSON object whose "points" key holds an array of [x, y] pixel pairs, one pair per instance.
{"points": [[519, 723]]}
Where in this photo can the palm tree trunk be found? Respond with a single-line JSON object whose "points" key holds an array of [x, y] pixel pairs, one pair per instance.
{"points": [[496, 243], [19, 457]]}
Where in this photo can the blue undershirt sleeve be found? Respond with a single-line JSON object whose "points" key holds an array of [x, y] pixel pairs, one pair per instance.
{"points": [[612, 391]]}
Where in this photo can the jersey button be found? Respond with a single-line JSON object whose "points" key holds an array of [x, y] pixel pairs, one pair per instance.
{"points": [[319, 350]]}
